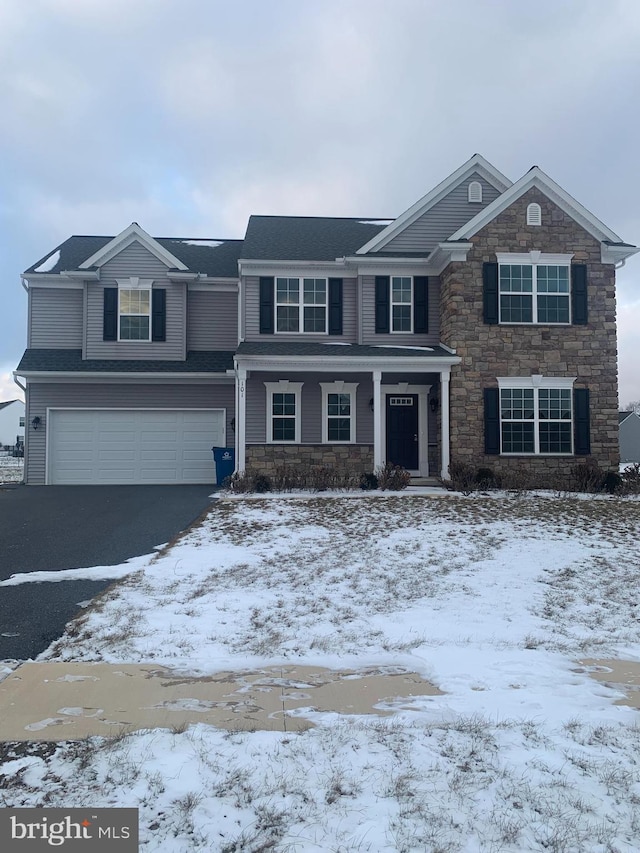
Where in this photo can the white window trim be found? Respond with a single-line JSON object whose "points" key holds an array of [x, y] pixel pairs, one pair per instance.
{"points": [[338, 387], [138, 284], [534, 214], [474, 192], [301, 305], [284, 386], [392, 303], [534, 259], [536, 382]]}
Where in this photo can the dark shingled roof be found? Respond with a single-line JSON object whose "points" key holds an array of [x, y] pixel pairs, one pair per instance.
{"points": [[307, 238], [218, 261], [8, 403], [69, 360], [317, 348], [622, 416]]}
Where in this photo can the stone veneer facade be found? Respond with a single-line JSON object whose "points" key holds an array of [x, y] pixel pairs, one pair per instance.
{"points": [[588, 352], [267, 457]]}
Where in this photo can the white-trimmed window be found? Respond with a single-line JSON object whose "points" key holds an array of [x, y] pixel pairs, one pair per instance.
{"points": [[536, 415], [401, 303], [534, 288], [283, 412], [474, 192], [134, 309], [338, 412], [301, 305]]}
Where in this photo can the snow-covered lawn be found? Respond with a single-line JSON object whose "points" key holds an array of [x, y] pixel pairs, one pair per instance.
{"points": [[11, 470], [493, 599]]}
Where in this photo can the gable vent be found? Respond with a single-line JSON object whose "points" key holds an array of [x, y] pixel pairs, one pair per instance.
{"points": [[534, 214], [475, 191]]}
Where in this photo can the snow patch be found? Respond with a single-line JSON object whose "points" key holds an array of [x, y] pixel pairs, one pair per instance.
{"points": [[211, 243], [49, 263]]}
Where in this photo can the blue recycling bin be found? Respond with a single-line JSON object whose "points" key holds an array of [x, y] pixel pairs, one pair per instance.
{"points": [[225, 459]]}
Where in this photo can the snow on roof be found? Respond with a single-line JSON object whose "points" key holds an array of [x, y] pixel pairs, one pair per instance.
{"points": [[375, 221], [49, 263], [212, 243]]}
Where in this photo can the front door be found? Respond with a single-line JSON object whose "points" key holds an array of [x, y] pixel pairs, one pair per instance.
{"points": [[402, 430]]}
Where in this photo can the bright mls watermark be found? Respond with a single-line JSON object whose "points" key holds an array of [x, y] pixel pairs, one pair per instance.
{"points": [[28, 830]]}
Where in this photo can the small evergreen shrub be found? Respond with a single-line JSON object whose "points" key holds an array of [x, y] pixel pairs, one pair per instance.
{"points": [[631, 479], [248, 481], [368, 482], [612, 483], [486, 479]]}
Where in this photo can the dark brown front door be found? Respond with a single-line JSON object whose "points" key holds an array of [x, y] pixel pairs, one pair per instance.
{"points": [[402, 430]]}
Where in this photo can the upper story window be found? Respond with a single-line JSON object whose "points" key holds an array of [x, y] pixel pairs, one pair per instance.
{"points": [[21, 421], [475, 191], [401, 303], [301, 305], [134, 315], [534, 292]]}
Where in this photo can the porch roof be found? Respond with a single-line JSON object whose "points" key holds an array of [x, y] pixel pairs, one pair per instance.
{"points": [[345, 351]]}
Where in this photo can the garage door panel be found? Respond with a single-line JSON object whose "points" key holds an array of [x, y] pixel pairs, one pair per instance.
{"points": [[142, 446]]}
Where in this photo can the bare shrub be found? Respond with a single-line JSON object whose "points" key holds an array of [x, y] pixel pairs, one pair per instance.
{"points": [[462, 478], [631, 479], [393, 478]]}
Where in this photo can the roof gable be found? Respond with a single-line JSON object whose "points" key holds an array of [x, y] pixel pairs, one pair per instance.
{"points": [[134, 233], [476, 164], [535, 177]]}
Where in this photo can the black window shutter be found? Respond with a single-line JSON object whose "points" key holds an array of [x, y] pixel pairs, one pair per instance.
{"points": [[266, 305], [110, 314], [580, 311], [158, 314], [492, 421], [335, 306], [420, 304], [382, 304], [581, 430], [490, 293]]}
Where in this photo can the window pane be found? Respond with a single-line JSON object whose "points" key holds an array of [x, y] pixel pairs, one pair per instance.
{"points": [[284, 404], [134, 328], [315, 291], [401, 289], [315, 319], [553, 309], [338, 404], [125, 302], [287, 319], [516, 309], [339, 429], [516, 404], [401, 316], [555, 437], [516, 279], [555, 403], [287, 291], [284, 429], [553, 279], [517, 438]]}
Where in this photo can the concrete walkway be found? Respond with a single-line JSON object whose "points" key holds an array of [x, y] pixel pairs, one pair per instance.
{"points": [[68, 701]]}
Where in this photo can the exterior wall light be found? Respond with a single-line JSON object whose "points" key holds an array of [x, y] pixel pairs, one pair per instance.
{"points": [[35, 423]]}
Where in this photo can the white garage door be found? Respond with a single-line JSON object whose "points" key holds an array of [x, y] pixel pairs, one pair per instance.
{"points": [[126, 446]]}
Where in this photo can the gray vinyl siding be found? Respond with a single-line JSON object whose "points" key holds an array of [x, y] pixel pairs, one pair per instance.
{"points": [[252, 315], [115, 396], [369, 336], [311, 426], [443, 219], [630, 439], [135, 260], [55, 318], [212, 320]]}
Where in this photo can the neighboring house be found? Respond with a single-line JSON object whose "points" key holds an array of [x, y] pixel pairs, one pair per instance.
{"points": [[478, 326], [11, 422], [629, 424]]}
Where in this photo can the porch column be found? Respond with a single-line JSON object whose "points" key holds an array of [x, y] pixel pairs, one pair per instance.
{"points": [[444, 422], [378, 454], [241, 417]]}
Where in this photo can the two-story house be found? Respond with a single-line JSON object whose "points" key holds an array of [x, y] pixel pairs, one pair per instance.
{"points": [[477, 326]]}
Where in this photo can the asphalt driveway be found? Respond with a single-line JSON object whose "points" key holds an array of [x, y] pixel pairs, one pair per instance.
{"points": [[66, 527]]}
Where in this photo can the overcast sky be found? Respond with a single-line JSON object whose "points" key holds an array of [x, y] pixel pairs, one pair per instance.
{"points": [[188, 115]]}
